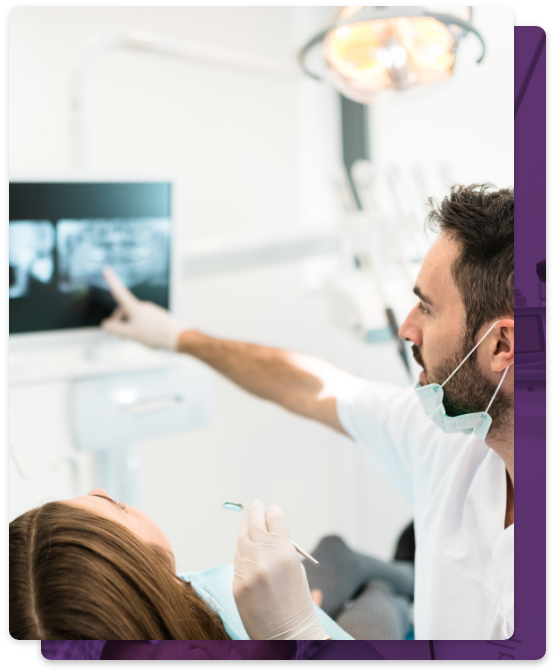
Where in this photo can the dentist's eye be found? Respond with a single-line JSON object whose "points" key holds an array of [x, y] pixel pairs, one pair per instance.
{"points": [[422, 309]]}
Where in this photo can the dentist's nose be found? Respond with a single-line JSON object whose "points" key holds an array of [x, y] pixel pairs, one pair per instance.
{"points": [[410, 329]]}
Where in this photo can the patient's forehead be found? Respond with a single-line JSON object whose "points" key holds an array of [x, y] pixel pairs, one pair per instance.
{"points": [[132, 518], [97, 505]]}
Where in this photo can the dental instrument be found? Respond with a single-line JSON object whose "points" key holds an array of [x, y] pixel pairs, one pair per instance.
{"points": [[369, 260], [237, 507]]}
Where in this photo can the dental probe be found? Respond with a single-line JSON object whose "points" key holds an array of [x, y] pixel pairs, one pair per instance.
{"points": [[237, 506]]}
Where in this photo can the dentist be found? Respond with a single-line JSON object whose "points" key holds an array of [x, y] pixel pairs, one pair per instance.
{"points": [[448, 445]]}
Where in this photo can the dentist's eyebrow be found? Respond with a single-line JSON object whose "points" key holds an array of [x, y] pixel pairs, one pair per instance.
{"points": [[423, 297]]}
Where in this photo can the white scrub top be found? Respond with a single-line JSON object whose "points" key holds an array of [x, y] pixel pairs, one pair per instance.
{"points": [[464, 566]]}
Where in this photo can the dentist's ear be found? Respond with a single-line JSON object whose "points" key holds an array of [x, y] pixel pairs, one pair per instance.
{"points": [[503, 354]]}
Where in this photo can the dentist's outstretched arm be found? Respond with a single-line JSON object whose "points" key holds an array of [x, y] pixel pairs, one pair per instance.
{"points": [[269, 582], [301, 383], [140, 320]]}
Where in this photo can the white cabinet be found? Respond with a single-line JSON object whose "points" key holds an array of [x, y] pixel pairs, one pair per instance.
{"points": [[76, 423], [123, 408]]}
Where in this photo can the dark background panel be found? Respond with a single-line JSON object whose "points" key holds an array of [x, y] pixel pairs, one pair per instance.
{"points": [[45, 308], [89, 200]]}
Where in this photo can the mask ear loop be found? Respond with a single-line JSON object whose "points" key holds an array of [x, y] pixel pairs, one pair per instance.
{"points": [[497, 390], [474, 348]]}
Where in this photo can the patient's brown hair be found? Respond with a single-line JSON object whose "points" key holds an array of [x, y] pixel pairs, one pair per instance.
{"points": [[78, 575]]}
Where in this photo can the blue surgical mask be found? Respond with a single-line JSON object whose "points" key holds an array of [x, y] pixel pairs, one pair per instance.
{"points": [[431, 397]]}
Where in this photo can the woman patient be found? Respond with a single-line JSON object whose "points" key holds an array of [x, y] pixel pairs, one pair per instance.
{"points": [[93, 568]]}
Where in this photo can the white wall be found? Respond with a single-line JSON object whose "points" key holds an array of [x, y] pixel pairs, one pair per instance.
{"points": [[232, 136], [254, 154]]}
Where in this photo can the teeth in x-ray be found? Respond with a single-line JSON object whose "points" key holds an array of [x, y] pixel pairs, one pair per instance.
{"points": [[137, 249], [31, 247], [43, 269]]}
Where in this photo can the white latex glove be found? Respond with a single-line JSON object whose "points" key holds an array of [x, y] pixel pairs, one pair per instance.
{"points": [[269, 582], [142, 321]]}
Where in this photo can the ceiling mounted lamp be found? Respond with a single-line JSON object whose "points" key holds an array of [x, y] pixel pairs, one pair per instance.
{"points": [[370, 51]]}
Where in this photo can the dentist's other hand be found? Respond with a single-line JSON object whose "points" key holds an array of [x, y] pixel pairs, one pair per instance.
{"points": [[269, 583], [142, 321]]}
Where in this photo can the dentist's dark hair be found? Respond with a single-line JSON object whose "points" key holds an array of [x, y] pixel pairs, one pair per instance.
{"points": [[78, 575], [481, 219]]}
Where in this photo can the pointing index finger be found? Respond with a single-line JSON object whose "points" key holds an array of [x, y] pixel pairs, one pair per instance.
{"points": [[118, 290]]}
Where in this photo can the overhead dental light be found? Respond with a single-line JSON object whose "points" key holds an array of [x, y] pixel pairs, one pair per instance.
{"points": [[371, 51]]}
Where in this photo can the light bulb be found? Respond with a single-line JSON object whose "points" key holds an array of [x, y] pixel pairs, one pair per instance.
{"points": [[371, 49], [398, 56], [371, 56]]}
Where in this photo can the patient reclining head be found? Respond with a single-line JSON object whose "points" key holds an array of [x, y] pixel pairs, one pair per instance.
{"points": [[76, 574]]}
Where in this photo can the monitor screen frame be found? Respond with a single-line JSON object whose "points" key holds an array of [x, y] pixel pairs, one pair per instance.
{"points": [[84, 335]]}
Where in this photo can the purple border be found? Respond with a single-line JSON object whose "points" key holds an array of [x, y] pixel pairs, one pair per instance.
{"points": [[529, 640]]}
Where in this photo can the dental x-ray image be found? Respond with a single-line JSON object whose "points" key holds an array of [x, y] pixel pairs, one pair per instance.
{"points": [[31, 255], [62, 234], [136, 249]]}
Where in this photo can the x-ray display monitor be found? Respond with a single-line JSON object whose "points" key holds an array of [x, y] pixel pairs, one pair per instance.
{"points": [[63, 234]]}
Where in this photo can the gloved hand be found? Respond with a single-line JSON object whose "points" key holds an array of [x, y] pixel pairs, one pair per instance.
{"points": [[141, 320], [269, 583]]}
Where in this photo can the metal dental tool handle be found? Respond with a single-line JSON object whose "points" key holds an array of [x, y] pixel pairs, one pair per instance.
{"points": [[237, 506]]}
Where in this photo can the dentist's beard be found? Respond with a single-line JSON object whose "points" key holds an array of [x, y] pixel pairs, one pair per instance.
{"points": [[469, 390]]}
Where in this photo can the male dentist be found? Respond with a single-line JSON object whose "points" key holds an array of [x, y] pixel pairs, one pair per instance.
{"points": [[447, 445]]}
